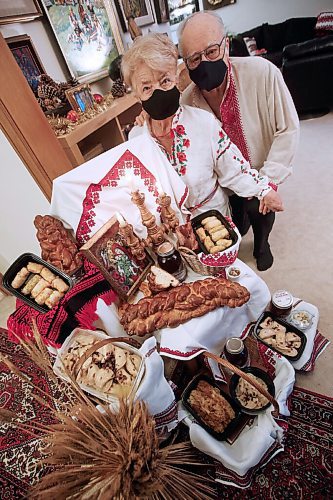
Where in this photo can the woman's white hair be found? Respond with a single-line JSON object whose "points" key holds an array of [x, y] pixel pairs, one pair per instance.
{"points": [[183, 25], [156, 50]]}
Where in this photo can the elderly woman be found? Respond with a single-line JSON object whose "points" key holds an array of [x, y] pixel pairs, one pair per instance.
{"points": [[192, 139]]}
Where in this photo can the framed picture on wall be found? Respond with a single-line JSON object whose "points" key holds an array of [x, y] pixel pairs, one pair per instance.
{"points": [[27, 58], [87, 34], [161, 11], [216, 4], [180, 9], [18, 11], [80, 98], [141, 11]]}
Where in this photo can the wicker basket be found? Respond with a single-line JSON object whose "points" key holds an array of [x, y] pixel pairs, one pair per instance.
{"points": [[198, 267]]}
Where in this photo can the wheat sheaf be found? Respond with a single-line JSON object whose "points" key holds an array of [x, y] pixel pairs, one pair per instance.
{"points": [[104, 455]]}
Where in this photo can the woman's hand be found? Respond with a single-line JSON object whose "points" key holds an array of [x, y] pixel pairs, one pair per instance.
{"points": [[271, 202], [141, 118]]}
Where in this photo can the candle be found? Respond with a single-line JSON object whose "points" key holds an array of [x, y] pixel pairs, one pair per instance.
{"points": [[130, 180], [121, 220]]}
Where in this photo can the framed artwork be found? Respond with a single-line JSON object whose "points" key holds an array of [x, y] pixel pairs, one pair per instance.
{"points": [[216, 4], [26, 57], [161, 11], [80, 98], [109, 252], [141, 10], [180, 9], [87, 34], [19, 11]]}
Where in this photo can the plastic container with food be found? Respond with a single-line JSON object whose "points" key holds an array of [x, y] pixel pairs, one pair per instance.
{"points": [[215, 405], [36, 282], [248, 397], [300, 319], [266, 332]]}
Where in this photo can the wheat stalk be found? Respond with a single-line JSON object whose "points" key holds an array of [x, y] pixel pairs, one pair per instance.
{"points": [[103, 456]]}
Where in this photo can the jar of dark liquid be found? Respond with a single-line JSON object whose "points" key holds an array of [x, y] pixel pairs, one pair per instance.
{"points": [[169, 259], [236, 352], [282, 303]]}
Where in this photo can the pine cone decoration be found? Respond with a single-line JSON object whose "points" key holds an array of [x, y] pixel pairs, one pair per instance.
{"points": [[118, 88]]}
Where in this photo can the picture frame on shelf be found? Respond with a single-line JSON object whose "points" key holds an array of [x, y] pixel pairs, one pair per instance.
{"points": [[216, 4], [80, 98], [17, 11], [25, 54], [141, 11], [180, 10], [161, 11], [108, 251], [87, 34]]}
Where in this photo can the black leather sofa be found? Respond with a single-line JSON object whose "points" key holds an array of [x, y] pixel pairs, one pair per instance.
{"points": [[305, 59]]}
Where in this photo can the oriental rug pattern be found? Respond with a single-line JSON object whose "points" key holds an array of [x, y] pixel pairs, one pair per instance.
{"points": [[303, 470]]}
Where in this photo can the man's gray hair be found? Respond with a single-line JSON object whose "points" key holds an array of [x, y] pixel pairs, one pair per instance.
{"points": [[185, 22]]}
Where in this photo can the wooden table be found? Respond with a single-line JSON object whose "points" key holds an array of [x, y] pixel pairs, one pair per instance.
{"points": [[101, 133]]}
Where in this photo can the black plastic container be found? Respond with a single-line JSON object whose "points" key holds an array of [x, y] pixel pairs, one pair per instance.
{"points": [[231, 427], [288, 326], [196, 223], [257, 372], [22, 261]]}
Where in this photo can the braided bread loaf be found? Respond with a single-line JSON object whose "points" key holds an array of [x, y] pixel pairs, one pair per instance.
{"points": [[186, 301]]}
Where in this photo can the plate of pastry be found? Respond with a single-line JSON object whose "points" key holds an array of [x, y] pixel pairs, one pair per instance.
{"points": [[281, 336], [214, 232], [110, 371], [36, 282], [211, 407]]}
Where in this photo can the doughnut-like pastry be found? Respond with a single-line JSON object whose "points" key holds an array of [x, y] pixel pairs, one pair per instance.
{"points": [[35, 268], [42, 296], [220, 235], [30, 284], [20, 278], [208, 243], [212, 224], [47, 274], [209, 219], [60, 285], [201, 233], [53, 299], [39, 287]]}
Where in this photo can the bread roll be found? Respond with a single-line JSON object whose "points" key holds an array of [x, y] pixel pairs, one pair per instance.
{"points": [[60, 285], [53, 299], [47, 274], [220, 234], [212, 224], [201, 233], [39, 287], [213, 218], [208, 243], [33, 267], [30, 284], [216, 229], [20, 278], [43, 296]]}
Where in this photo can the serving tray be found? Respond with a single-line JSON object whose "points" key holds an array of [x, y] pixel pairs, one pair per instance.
{"points": [[196, 224]]}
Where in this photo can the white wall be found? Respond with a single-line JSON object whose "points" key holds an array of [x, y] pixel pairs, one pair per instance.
{"points": [[20, 201], [247, 14]]}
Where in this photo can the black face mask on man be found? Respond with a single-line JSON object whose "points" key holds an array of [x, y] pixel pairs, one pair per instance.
{"points": [[162, 103], [209, 74]]}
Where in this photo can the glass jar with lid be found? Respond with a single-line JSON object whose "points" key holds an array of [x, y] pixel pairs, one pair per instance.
{"points": [[235, 351], [170, 260], [282, 303]]}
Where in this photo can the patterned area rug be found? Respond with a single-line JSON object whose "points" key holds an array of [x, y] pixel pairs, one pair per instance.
{"points": [[302, 471]]}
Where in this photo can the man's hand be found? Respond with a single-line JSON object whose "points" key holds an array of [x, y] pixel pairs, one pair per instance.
{"points": [[271, 202], [141, 118]]}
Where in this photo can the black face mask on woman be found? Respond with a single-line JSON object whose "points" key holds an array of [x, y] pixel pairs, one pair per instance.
{"points": [[209, 74], [162, 103]]}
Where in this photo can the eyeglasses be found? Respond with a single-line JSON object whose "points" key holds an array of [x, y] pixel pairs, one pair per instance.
{"points": [[212, 52]]}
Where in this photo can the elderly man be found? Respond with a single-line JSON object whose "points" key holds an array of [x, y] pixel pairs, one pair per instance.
{"points": [[250, 98]]}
